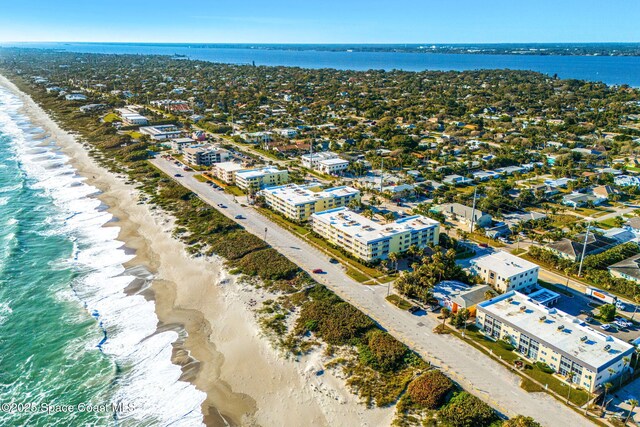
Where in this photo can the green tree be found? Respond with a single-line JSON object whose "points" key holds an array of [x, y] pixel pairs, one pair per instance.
{"points": [[607, 312], [466, 410], [633, 403]]}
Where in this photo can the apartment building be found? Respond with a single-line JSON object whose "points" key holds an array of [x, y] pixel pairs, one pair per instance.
{"points": [[299, 202], [226, 171], [506, 272], [310, 161], [332, 166], [574, 350], [203, 155], [370, 240], [256, 179]]}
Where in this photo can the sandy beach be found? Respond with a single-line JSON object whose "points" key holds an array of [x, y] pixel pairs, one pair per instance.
{"points": [[224, 352]]}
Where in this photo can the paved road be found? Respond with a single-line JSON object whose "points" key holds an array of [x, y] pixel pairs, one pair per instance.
{"points": [[473, 370]]}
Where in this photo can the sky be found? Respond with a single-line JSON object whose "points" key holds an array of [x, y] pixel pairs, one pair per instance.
{"points": [[321, 21]]}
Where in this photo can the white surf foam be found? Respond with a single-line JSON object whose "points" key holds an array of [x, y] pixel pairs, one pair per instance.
{"points": [[150, 381]]}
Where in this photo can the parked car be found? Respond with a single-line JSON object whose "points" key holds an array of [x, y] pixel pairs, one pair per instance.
{"points": [[178, 175], [318, 271], [333, 261], [239, 217], [620, 305], [624, 322], [220, 205], [483, 245], [414, 309], [620, 323], [607, 327]]}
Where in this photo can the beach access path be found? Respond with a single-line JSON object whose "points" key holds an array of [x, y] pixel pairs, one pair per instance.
{"points": [[473, 370]]}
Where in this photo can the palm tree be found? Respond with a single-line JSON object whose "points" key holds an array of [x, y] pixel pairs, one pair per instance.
{"points": [[607, 386], [633, 403], [625, 362], [569, 381], [445, 312], [393, 257], [389, 217]]}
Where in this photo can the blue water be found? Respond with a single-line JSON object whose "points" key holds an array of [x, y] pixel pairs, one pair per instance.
{"points": [[69, 335], [608, 69]]}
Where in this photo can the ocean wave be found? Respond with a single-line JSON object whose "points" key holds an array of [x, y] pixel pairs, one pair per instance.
{"points": [[150, 380]]}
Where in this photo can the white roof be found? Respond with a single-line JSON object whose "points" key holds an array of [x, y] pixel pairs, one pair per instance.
{"points": [[229, 166], [503, 263], [300, 195], [255, 173], [366, 230], [329, 162], [555, 328]]}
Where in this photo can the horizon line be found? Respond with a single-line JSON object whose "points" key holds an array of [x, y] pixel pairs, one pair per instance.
{"points": [[321, 43]]}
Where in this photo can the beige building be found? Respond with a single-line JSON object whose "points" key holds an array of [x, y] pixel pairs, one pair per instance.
{"points": [[300, 202], [506, 272], [205, 155], [255, 179], [226, 171], [370, 240], [570, 347]]}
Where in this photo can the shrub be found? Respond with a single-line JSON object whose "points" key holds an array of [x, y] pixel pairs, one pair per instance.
{"points": [[544, 367], [521, 421], [466, 410], [267, 264], [383, 352], [336, 323], [430, 390]]}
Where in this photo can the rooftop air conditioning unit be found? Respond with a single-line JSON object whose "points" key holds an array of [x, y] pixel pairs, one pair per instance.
{"points": [[543, 318], [583, 338], [560, 327], [523, 308], [607, 347]]}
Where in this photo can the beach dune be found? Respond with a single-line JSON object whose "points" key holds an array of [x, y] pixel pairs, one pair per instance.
{"points": [[224, 352]]}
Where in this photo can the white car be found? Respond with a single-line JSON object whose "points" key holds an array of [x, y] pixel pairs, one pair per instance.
{"points": [[606, 326], [620, 305]]}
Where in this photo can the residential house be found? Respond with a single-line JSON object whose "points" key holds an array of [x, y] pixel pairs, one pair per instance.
{"points": [[572, 248], [457, 296], [465, 214], [628, 269]]}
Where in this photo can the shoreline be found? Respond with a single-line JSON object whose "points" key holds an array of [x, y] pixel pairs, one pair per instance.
{"points": [[221, 349]]}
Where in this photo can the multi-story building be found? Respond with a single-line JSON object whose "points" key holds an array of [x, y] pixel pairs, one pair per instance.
{"points": [[332, 166], [203, 155], [130, 117], [506, 272], [255, 179], [300, 202], [574, 350], [226, 171], [179, 144], [161, 132], [370, 240], [310, 161]]}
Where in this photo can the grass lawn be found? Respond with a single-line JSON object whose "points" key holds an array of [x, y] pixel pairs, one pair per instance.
{"points": [[608, 223], [484, 239], [591, 212], [530, 386], [357, 276], [578, 397], [232, 189], [200, 178], [134, 134], [298, 229], [518, 251], [111, 117], [399, 302], [562, 220]]}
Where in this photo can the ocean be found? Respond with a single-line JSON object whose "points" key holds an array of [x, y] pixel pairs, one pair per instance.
{"points": [[613, 70], [72, 343]]}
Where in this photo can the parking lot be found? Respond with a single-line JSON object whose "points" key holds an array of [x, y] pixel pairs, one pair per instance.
{"points": [[581, 306]]}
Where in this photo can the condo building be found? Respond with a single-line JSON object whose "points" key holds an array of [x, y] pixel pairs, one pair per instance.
{"points": [[575, 351], [255, 179], [506, 272], [370, 240], [299, 202]]}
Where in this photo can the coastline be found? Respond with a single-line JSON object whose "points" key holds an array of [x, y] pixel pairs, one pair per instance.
{"points": [[223, 351]]}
